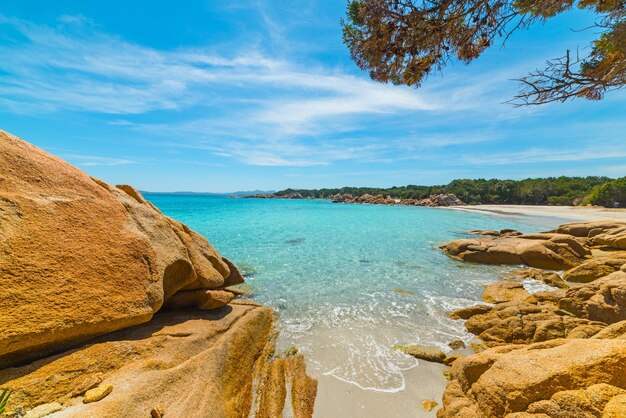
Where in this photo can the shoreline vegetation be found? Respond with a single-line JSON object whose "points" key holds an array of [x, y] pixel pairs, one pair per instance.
{"points": [[553, 191]]}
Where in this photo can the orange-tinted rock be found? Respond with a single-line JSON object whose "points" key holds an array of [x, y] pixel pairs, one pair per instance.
{"points": [[524, 323], [286, 379], [601, 300], [505, 291], [554, 254], [81, 258], [588, 229], [194, 364], [613, 331], [429, 405], [427, 353], [466, 313], [199, 299], [593, 269], [511, 379], [550, 278]]}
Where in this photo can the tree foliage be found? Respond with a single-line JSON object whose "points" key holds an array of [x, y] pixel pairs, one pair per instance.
{"points": [[539, 191], [610, 194], [403, 41]]}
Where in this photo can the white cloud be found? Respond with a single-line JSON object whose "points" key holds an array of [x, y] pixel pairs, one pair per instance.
{"points": [[94, 160], [75, 67], [544, 155], [256, 109]]}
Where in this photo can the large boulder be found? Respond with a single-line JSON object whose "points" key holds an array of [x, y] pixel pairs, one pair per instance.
{"points": [[605, 233], [196, 364], [537, 378], [551, 251], [524, 323], [601, 300], [588, 229], [593, 269], [613, 238], [81, 258]]}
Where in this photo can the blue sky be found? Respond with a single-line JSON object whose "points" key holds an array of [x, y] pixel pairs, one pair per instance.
{"points": [[225, 96]]}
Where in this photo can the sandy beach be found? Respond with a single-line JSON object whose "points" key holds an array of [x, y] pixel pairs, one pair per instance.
{"points": [[572, 213], [336, 399]]}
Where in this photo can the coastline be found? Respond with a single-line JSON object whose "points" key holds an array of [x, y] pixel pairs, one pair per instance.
{"points": [[426, 381], [336, 399], [574, 213]]}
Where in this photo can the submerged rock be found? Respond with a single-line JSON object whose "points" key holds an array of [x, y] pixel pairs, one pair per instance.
{"points": [[423, 352], [404, 292], [456, 344]]}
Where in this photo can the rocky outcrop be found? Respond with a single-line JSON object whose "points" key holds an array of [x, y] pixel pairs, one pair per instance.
{"points": [[614, 238], [550, 278], [493, 233], [553, 354], [108, 308], [589, 229], [81, 258], [505, 291], [593, 269], [275, 196], [470, 311], [601, 300], [547, 251], [188, 363], [524, 323], [446, 199], [537, 379]]}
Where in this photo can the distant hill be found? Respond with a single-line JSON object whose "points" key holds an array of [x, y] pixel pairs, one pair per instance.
{"points": [[563, 190], [239, 194]]}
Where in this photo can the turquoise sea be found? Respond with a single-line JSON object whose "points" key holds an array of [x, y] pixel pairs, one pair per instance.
{"points": [[349, 281]]}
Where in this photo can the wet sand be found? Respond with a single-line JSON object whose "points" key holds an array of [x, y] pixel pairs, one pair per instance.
{"points": [[337, 399]]}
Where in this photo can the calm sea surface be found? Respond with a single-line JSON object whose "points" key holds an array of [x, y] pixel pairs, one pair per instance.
{"points": [[349, 281]]}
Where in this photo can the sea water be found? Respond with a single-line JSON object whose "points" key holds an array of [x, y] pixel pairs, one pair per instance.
{"points": [[349, 281]]}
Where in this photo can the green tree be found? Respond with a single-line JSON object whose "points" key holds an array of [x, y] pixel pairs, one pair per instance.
{"points": [[610, 194], [403, 41]]}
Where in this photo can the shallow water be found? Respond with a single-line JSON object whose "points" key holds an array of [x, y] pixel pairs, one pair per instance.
{"points": [[349, 281]]}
